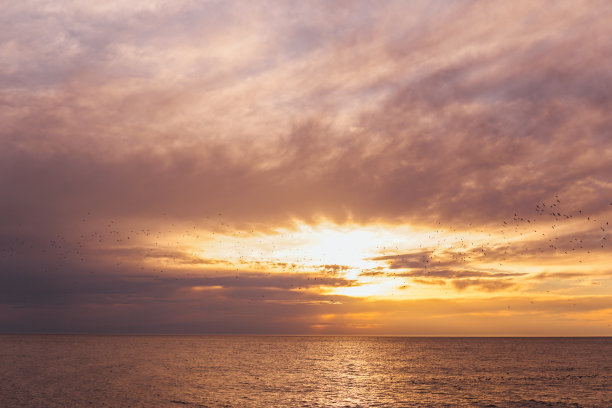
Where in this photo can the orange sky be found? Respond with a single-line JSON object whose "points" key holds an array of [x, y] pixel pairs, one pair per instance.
{"points": [[414, 168]]}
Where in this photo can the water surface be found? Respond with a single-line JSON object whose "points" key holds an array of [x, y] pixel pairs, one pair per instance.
{"points": [[245, 371]]}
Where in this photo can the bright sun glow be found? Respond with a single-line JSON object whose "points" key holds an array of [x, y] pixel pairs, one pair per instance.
{"points": [[350, 247], [306, 247], [363, 256], [353, 252]]}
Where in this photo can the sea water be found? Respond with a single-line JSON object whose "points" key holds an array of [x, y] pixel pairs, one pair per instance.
{"points": [[263, 371]]}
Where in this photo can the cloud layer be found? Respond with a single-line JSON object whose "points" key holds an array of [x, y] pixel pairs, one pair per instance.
{"points": [[235, 118]]}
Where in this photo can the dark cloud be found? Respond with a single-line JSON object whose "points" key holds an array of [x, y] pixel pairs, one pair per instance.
{"points": [[571, 275], [115, 298], [482, 284], [447, 274], [486, 281]]}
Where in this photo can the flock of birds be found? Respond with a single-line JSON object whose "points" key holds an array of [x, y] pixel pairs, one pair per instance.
{"points": [[551, 229], [588, 232]]}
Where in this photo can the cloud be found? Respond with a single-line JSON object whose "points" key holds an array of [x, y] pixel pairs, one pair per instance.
{"points": [[508, 116], [125, 299], [143, 120], [486, 285]]}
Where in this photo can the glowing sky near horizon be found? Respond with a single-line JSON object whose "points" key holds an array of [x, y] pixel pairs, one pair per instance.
{"points": [[414, 168]]}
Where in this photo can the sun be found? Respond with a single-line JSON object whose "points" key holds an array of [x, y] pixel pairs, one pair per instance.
{"points": [[306, 247], [351, 248], [344, 246]]}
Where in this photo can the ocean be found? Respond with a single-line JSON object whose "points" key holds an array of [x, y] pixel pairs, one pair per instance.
{"points": [[294, 371]]}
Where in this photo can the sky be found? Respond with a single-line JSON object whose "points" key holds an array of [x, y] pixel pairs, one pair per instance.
{"points": [[421, 168]]}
